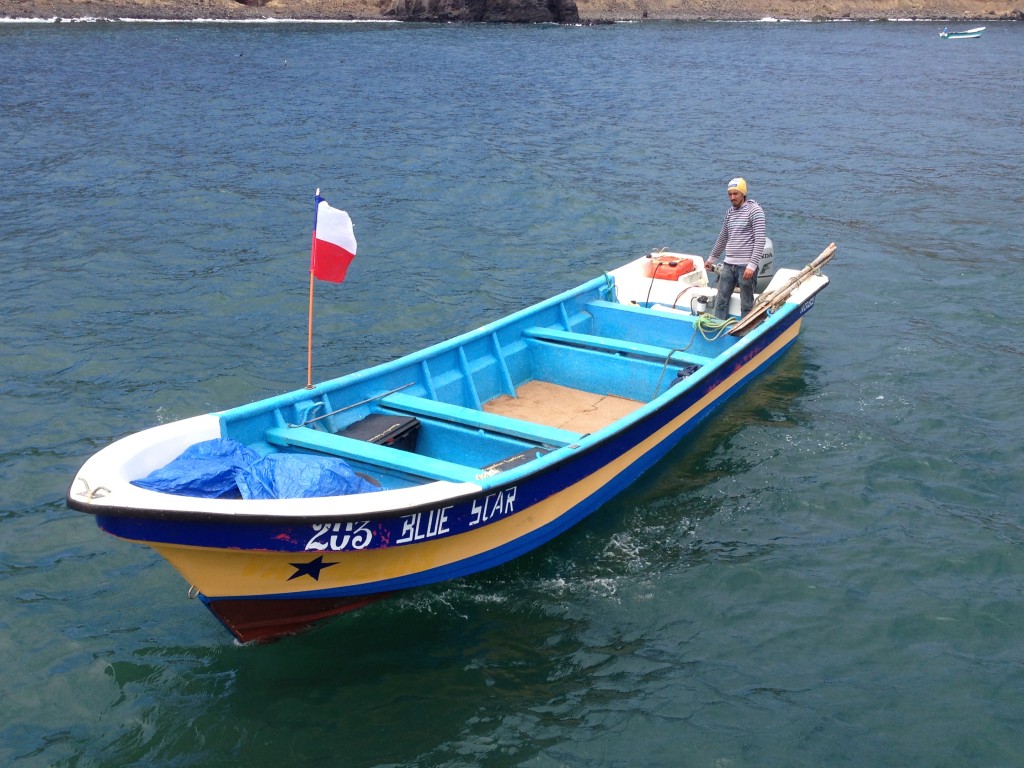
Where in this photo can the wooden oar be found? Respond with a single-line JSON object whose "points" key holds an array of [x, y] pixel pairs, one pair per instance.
{"points": [[769, 301]]}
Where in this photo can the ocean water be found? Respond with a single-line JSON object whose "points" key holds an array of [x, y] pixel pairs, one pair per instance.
{"points": [[829, 573]]}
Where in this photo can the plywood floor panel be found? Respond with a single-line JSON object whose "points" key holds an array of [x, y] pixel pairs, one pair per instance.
{"points": [[556, 406]]}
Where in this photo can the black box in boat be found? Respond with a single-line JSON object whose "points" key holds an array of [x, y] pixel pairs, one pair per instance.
{"points": [[394, 431]]}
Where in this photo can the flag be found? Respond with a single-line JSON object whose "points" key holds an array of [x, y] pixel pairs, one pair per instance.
{"points": [[334, 243]]}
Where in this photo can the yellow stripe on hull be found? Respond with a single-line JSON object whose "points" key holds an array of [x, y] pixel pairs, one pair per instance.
{"points": [[218, 572]]}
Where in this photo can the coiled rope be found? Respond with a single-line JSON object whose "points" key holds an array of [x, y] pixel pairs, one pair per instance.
{"points": [[711, 328]]}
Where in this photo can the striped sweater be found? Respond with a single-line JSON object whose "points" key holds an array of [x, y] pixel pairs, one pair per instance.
{"points": [[742, 236]]}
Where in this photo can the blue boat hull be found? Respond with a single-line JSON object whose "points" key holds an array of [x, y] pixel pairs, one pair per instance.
{"points": [[274, 568]]}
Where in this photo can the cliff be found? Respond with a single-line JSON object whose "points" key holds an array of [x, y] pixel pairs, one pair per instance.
{"points": [[523, 11]]}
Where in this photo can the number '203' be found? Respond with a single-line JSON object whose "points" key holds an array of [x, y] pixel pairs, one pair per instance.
{"points": [[338, 536]]}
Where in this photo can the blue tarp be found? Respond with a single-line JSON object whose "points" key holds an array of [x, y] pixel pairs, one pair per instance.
{"points": [[223, 468]]}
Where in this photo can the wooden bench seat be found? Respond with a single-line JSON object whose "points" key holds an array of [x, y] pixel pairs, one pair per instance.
{"points": [[371, 453], [606, 344], [470, 417]]}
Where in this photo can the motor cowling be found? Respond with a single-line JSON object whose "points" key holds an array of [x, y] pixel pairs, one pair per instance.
{"points": [[766, 270]]}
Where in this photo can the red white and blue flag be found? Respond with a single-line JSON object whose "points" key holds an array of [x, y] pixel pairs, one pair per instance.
{"points": [[334, 243]]}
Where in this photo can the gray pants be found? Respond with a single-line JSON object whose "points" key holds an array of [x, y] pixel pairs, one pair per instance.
{"points": [[729, 276]]}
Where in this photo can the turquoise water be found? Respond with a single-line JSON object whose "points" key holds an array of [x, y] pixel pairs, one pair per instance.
{"points": [[829, 573]]}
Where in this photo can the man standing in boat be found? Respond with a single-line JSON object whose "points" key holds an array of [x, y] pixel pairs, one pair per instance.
{"points": [[742, 240]]}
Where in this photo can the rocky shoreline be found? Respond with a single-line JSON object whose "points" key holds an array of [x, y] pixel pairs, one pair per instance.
{"points": [[515, 11]]}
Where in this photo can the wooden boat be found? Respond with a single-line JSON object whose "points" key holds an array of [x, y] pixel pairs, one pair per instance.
{"points": [[964, 35], [463, 455]]}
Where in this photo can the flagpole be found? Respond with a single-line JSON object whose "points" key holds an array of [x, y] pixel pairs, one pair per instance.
{"points": [[309, 341], [309, 336]]}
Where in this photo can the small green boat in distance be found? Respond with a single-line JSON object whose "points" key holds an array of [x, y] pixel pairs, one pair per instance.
{"points": [[966, 34]]}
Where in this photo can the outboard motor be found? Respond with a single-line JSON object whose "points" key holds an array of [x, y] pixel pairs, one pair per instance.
{"points": [[766, 270]]}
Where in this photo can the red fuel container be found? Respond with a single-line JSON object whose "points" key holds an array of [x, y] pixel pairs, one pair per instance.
{"points": [[668, 267]]}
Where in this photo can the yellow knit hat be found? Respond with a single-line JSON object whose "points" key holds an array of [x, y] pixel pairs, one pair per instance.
{"points": [[739, 184]]}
